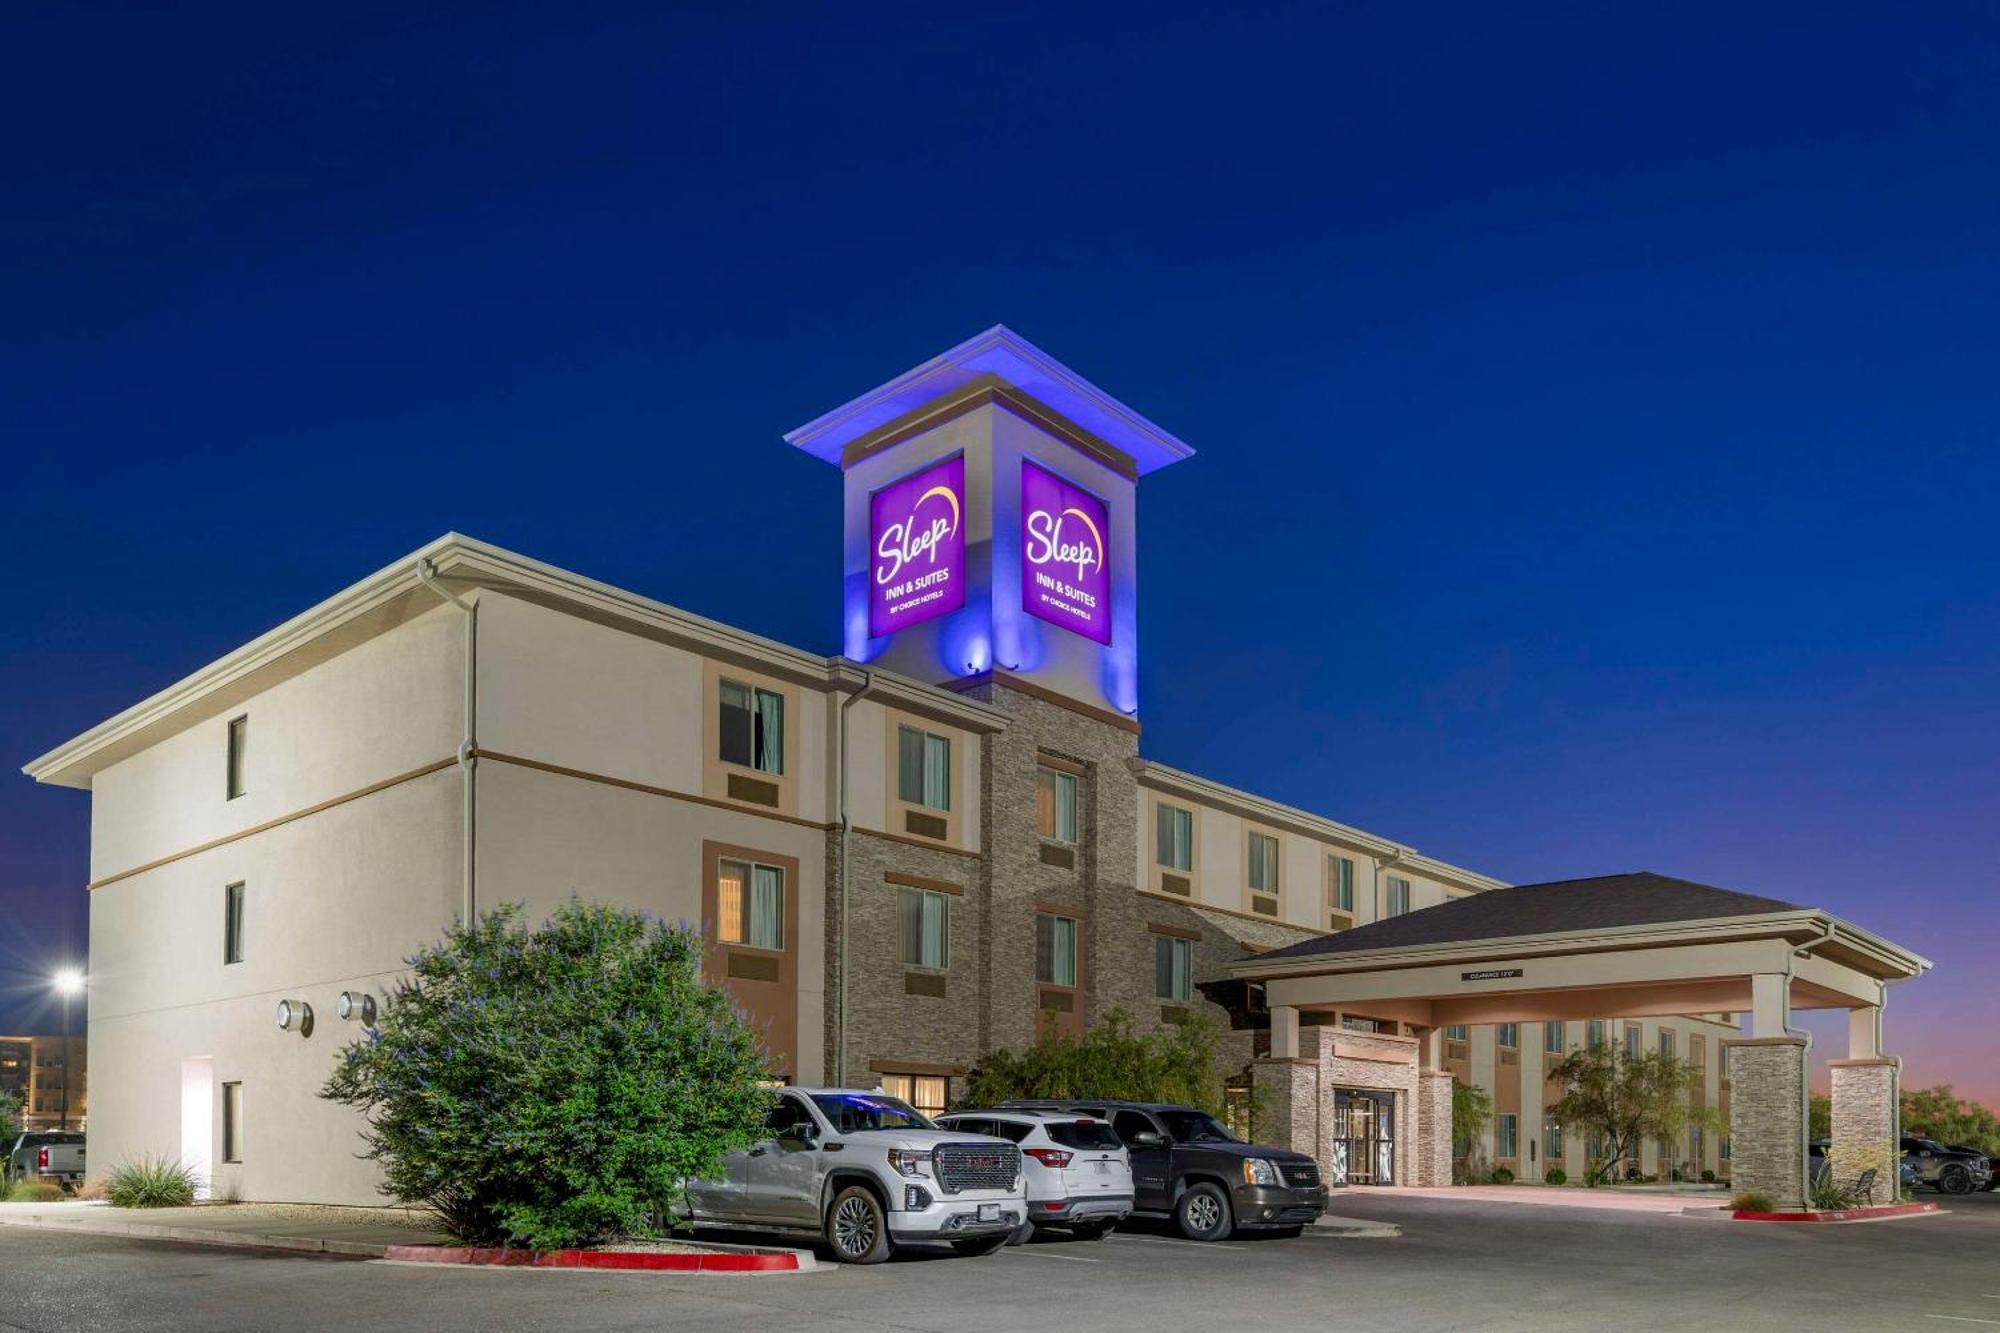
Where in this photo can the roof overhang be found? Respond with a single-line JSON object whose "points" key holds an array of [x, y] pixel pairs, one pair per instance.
{"points": [[999, 355]]}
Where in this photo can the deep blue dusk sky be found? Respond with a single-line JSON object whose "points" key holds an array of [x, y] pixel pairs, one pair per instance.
{"points": [[1596, 409]]}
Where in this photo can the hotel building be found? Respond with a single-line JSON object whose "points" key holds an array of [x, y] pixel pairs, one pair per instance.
{"points": [[904, 856]]}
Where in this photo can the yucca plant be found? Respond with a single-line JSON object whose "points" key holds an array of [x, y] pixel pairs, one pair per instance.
{"points": [[150, 1182]]}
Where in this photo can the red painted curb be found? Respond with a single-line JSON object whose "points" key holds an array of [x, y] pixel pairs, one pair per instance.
{"points": [[631, 1260], [1886, 1210]]}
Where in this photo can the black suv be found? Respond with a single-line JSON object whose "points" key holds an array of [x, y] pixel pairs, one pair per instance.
{"points": [[1186, 1166], [1947, 1170]]}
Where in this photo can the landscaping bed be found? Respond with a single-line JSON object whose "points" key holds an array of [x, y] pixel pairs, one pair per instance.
{"points": [[648, 1256], [1869, 1213]]}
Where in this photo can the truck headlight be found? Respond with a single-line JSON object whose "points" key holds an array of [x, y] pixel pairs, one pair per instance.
{"points": [[911, 1161], [1260, 1171]]}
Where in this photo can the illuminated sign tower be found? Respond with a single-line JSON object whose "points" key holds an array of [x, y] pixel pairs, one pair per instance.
{"points": [[990, 526]]}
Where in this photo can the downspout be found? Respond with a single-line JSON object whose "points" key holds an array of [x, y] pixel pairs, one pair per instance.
{"points": [[846, 826], [468, 747]]}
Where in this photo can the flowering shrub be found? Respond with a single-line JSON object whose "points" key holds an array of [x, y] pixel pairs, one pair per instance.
{"points": [[555, 1086]]}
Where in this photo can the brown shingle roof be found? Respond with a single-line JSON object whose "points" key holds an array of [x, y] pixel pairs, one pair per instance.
{"points": [[1639, 899]]}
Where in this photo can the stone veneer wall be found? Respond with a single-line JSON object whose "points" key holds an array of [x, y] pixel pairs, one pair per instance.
{"points": [[1767, 1117], [1431, 1151], [1864, 1123]]}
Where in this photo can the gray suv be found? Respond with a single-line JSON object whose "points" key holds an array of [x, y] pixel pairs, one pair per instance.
{"points": [[865, 1172]]}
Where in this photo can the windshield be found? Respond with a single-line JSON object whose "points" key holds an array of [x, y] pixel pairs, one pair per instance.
{"points": [[49, 1139], [1196, 1127], [1928, 1145], [852, 1112]]}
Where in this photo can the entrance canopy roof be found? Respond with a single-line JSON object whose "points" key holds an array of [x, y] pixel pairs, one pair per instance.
{"points": [[1614, 945]]}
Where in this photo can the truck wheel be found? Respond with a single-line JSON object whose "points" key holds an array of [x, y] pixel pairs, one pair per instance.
{"points": [[1203, 1213], [979, 1245], [1955, 1179], [856, 1227]]}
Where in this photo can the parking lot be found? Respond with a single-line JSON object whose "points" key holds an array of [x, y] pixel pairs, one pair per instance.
{"points": [[1459, 1265]]}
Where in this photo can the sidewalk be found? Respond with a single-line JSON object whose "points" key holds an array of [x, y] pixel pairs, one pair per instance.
{"points": [[1562, 1196], [308, 1228]]}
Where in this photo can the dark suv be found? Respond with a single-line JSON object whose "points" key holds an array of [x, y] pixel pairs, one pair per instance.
{"points": [[1947, 1170], [1186, 1166]]}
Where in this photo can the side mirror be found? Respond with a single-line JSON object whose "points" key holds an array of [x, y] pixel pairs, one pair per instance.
{"points": [[807, 1133], [1149, 1138]]}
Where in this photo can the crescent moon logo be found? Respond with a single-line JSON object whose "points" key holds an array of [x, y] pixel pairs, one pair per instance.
{"points": [[950, 499], [1095, 535]]}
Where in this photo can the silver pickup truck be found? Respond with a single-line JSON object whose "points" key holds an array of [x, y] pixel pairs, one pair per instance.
{"points": [[50, 1154], [865, 1172]]}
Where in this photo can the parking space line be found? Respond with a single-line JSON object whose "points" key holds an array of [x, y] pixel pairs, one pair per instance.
{"points": [[1066, 1258], [1182, 1244], [1962, 1319]]}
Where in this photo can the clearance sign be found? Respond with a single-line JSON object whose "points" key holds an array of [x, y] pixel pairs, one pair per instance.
{"points": [[1064, 578], [916, 529]]}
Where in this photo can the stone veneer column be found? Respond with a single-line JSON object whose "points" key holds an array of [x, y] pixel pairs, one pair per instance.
{"points": [[1431, 1158], [1287, 1105], [1767, 1127], [1865, 1093]]}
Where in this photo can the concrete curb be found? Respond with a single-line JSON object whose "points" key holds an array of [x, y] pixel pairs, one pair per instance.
{"points": [[1883, 1213], [1354, 1228], [744, 1263]]}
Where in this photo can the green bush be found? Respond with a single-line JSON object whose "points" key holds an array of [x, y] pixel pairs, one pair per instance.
{"points": [[150, 1182], [1828, 1195], [1176, 1062], [556, 1086], [34, 1189], [1753, 1201], [1708, 1177], [1503, 1175], [1555, 1175]]}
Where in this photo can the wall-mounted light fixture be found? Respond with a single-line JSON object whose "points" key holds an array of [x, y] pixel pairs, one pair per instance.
{"points": [[355, 1006], [295, 1014]]}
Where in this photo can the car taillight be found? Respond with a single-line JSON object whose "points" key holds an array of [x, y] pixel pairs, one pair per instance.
{"points": [[1049, 1156], [42, 1160]]}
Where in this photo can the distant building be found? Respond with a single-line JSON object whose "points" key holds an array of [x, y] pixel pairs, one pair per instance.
{"points": [[33, 1071]]}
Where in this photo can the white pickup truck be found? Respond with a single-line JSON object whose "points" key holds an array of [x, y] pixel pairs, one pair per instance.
{"points": [[866, 1172], [51, 1154]]}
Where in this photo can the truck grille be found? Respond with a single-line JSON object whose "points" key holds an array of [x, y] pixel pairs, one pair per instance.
{"points": [[976, 1166], [1300, 1175]]}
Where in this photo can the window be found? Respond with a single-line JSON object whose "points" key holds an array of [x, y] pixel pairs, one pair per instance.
{"points": [[1506, 1125], [1667, 1042], [232, 923], [1130, 1124], [1399, 896], [1458, 1032], [787, 1118], [1698, 1051], [1552, 1038], [752, 727], [1340, 874], [1173, 837], [239, 748], [1354, 1024], [923, 929], [750, 904], [923, 768], [1173, 968], [1510, 1034], [1633, 1043], [1055, 949], [1595, 1032], [1722, 1061], [1263, 863], [1695, 1146], [1055, 804], [1722, 1147], [232, 1122], [928, 1093], [1552, 1138]]}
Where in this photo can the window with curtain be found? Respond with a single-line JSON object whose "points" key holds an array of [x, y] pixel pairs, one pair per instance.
{"points": [[1510, 1034], [1055, 949], [923, 928], [923, 768], [1173, 968], [1666, 1041], [1458, 1032], [1507, 1127], [1633, 1041], [1263, 863], [1552, 1038], [926, 1093], [1399, 897], [1340, 874], [1055, 804], [752, 727], [1173, 836], [750, 904], [1552, 1139]]}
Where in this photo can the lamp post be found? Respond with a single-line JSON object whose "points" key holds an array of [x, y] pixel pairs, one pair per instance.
{"points": [[69, 984]]}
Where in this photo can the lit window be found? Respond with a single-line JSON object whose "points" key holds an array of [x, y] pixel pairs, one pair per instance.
{"points": [[232, 1122], [1055, 949], [923, 928], [1399, 897], [1507, 1126], [1340, 873], [232, 923], [753, 727], [928, 1093], [1510, 1035], [923, 768], [1174, 837], [1552, 1038], [239, 749], [1552, 1139], [1055, 804], [1263, 863], [1173, 968], [750, 905]]}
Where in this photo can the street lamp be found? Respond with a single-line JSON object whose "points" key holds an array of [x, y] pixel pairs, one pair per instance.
{"points": [[69, 985]]}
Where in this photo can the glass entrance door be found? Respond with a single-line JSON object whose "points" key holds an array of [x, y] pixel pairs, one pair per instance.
{"points": [[1364, 1138]]}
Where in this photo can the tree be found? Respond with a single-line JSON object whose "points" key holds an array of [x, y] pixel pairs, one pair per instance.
{"points": [[555, 1086], [1819, 1116], [10, 1116], [1623, 1101], [1939, 1113], [1175, 1062], [1471, 1113]]}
